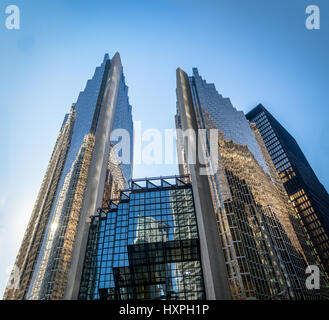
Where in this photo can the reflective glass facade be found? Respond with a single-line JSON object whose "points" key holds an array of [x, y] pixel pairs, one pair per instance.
{"points": [[231, 122], [265, 249], [145, 245], [71, 183]]}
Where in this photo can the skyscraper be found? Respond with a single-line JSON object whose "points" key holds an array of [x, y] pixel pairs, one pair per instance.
{"points": [[264, 246], [78, 175], [307, 194]]}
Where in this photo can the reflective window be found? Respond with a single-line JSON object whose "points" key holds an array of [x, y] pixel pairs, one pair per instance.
{"points": [[146, 248]]}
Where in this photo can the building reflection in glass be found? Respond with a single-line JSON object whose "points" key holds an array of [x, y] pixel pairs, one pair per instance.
{"points": [[145, 245]]}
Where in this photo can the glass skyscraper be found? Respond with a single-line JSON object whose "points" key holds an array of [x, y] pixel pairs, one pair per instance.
{"points": [[231, 122], [264, 249], [244, 225], [307, 194], [145, 245], [79, 174]]}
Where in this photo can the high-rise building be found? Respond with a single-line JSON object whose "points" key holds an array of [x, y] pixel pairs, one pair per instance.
{"points": [[264, 248], [307, 194], [145, 245], [80, 173], [224, 229]]}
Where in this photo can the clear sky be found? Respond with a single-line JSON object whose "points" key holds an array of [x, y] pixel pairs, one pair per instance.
{"points": [[254, 52]]}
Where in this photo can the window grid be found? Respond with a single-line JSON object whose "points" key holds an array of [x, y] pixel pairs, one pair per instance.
{"points": [[146, 248]]}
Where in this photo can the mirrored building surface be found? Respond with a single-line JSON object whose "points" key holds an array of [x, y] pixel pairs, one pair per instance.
{"points": [[265, 249], [78, 174], [145, 245]]}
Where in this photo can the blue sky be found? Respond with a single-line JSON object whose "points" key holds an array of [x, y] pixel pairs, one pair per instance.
{"points": [[254, 52]]}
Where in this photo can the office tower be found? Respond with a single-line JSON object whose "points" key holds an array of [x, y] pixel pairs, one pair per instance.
{"points": [[307, 194], [263, 246], [79, 173], [145, 244]]}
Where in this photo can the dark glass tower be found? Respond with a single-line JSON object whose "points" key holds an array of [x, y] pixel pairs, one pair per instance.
{"points": [[309, 197], [145, 245], [78, 176]]}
